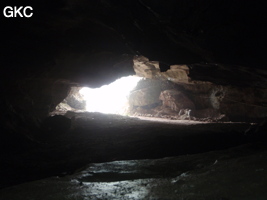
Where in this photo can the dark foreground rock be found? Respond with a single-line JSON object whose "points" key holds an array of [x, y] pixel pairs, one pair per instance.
{"points": [[95, 137], [237, 173]]}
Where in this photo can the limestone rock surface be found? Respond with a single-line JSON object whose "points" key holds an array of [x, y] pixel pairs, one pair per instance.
{"points": [[145, 96], [176, 100]]}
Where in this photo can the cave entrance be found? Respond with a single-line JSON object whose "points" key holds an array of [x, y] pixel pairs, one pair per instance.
{"points": [[151, 99], [108, 99], [158, 129]]}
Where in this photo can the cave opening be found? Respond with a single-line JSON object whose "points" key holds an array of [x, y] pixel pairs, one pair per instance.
{"points": [[151, 115], [134, 100], [147, 112], [110, 99]]}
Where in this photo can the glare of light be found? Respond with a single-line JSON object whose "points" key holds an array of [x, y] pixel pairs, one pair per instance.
{"points": [[112, 98]]}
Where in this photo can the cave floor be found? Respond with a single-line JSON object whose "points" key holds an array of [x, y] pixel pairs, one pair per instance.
{"points": [[204, 155], [237, 173]]}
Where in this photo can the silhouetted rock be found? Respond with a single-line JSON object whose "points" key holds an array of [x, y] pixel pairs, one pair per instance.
{"points": [[55, 125]]}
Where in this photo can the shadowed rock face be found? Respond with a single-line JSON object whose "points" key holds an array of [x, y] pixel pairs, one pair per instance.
{"points": [[93, 41], [241, 97], [176, 100], [90, 43], [213, 52], [237, 173]]}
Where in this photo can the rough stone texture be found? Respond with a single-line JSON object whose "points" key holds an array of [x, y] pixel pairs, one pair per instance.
{"points": [[75, 99], [177, 74], [244, 103], [243, 100], [216, 97], [151, 69], [93, 43], [238, 173], [96, 137], [163, 111], [176, 100], [145, 96], [145, 68], [236, 102]]}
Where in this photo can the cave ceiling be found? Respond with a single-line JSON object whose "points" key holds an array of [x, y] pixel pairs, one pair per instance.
{"points": [[93, 42]]}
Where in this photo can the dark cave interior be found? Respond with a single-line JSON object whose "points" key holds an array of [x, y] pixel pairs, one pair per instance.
{"points": [[201, 93]]}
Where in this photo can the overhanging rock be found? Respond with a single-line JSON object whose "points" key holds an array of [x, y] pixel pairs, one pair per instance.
{"points": [[150, 69], [207, 97]]}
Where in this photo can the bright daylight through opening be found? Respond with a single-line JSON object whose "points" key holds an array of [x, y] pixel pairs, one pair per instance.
{"points": [[112, 98]]}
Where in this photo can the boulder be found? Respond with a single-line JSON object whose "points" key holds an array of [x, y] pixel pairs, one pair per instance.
{"points": [[145, 96], [176, 100], [151, 69], [176, 74], [75, 99], [145, 68]]}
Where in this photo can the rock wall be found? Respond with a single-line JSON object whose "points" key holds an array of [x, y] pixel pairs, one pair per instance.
{"points": [[176, 100], [25, 104], [205, 99], [150, 69]]}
